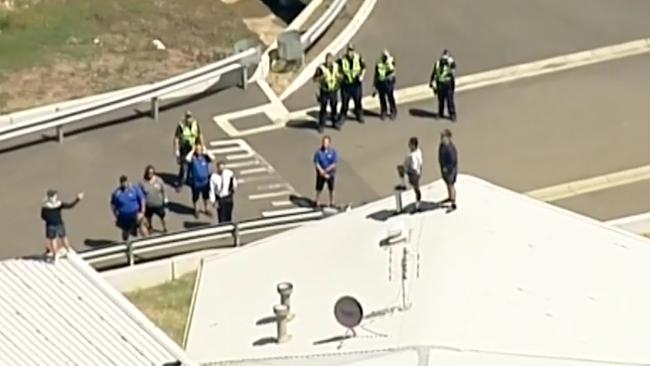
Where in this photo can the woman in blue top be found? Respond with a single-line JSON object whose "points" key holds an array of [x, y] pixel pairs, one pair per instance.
{"points": [[200, 172]]}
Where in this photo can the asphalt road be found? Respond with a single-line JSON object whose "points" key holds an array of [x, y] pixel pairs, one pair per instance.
{"points": [[489, 34], [523, 135]]}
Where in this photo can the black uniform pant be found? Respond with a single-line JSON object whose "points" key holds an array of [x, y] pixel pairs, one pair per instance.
{"points": [[224, 209], [331, 99], [386, 97], [183, 165], [446, 97], [352, 91]]}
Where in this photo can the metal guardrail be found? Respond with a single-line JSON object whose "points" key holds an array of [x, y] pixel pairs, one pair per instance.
{"points": [[322, 24], [183, 240], [152, 93]]}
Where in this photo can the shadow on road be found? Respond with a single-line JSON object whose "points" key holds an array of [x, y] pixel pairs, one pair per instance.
{"points": [[99, 243], [422, 113], [179, 208]]}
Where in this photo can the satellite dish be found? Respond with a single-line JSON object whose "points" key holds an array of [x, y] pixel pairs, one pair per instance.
{"points": [[348, 312]]}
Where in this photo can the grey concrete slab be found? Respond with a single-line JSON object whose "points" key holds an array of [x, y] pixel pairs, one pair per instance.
{"points": [[524, 135], [612, 203], [256, 120], [489, 34]]}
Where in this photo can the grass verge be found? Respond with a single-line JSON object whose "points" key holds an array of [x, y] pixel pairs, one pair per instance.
{"points": [[167, 305]]}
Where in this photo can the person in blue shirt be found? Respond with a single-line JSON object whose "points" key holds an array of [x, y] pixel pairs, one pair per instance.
{"points": [[325, 160], [128, 205], [199, 163]]}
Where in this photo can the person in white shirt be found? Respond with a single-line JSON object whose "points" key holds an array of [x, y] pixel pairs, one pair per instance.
{"points": [[411, 171], [222, 188]]}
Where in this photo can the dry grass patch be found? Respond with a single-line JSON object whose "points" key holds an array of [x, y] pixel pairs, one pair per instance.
{"points": [[167, 305]]}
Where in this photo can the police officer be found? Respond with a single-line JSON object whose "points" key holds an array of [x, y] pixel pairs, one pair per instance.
{"points": [[329, 76], [385, 84], [443, 82], [188, 134], [354, 69]]}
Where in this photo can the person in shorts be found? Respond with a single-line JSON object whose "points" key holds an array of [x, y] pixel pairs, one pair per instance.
{"points": [[448, 159], [128, 206], [325, 159], [54, 225], [200, 171], [153, 188], [412, 170]]}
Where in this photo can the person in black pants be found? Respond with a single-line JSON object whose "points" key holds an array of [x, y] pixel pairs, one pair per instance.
{"points": [[443, 82], [448, 159], [353, 68], [385, 85], [222, 189], [328, 76]]}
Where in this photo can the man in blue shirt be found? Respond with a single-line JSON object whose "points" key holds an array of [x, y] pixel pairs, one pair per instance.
{"points": [[128, 205], [325, 160], [199, 181]]}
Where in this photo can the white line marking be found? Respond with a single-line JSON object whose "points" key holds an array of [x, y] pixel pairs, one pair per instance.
{"points": [[281, 203], [274, 186], [589, 185], [261, 196], [237, 142], [239, 156], [243, 164], [226, 150], [483, 79], [288, 211], [262, 169], [257, 178]]}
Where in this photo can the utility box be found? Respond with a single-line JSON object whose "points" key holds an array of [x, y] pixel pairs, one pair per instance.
{"points": [[245, 44], [289, 46]]}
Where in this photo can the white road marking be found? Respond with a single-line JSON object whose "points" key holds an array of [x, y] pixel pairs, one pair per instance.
{"points": [[474, 81], [589, 185], [288, 211], [261, 196], [239, 156], [226, 150], [281, 203], [267, 187], [257, 178], [243, 164], [263, 169]]}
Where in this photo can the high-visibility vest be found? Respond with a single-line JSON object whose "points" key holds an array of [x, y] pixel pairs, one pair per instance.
{"points": [[443, 73], [190, 133], [330, 77], [351, 72], [384, 68]]}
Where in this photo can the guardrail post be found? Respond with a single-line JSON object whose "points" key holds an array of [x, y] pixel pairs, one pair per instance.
{"points": [[244, 77], [59, 134], [155, 108], [235, 235], [129, 253]]}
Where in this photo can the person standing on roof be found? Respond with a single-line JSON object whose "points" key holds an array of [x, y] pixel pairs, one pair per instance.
{"points": [[128, 206], [329, 77], [448, 159], [223, 184], [153, 188], [412, 170], [187, 135], [353, 68], [54, 226], [385, 85], [325, 160], [199, 181], [443, 82]]}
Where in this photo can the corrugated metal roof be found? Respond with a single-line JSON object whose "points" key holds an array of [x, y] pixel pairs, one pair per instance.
{"points": [[65, 314]]}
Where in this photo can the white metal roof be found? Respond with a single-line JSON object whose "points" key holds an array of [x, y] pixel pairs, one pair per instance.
{"points": [[503, 280], [65, 314]]}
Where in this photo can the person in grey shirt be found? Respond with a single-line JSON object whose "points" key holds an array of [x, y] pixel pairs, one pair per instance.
{"points": [[153, 188]]}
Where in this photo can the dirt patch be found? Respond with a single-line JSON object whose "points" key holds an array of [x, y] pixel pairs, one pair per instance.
{"points": [[51, 53], [267, 28], [281, 74]]}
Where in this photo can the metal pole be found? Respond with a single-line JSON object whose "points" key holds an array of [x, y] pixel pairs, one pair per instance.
{"points": [[404, 276], [398, 201], [155, 108], [244, 77], [129, 252], [59, 133], [281, 312], [235, 235]]}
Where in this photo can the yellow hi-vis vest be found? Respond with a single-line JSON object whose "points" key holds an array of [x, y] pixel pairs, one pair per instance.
{"points": [[190, 133], [384, 68], [351, 72], [330, 78]]}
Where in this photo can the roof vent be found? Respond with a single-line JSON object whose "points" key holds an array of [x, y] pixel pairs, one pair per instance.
{"points": [[396, 234]]}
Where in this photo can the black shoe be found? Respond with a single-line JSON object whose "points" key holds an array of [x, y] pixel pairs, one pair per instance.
{"points": [[361, 120], [382, 116], [320, 129], [393, 116], [453, 118], [337, 126]]}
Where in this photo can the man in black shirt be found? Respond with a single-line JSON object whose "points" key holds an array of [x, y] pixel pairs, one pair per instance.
{"points": [[448, 159], [54, 226]]}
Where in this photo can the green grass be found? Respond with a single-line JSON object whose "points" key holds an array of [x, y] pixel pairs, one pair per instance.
{"points": [[167, 305]]}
